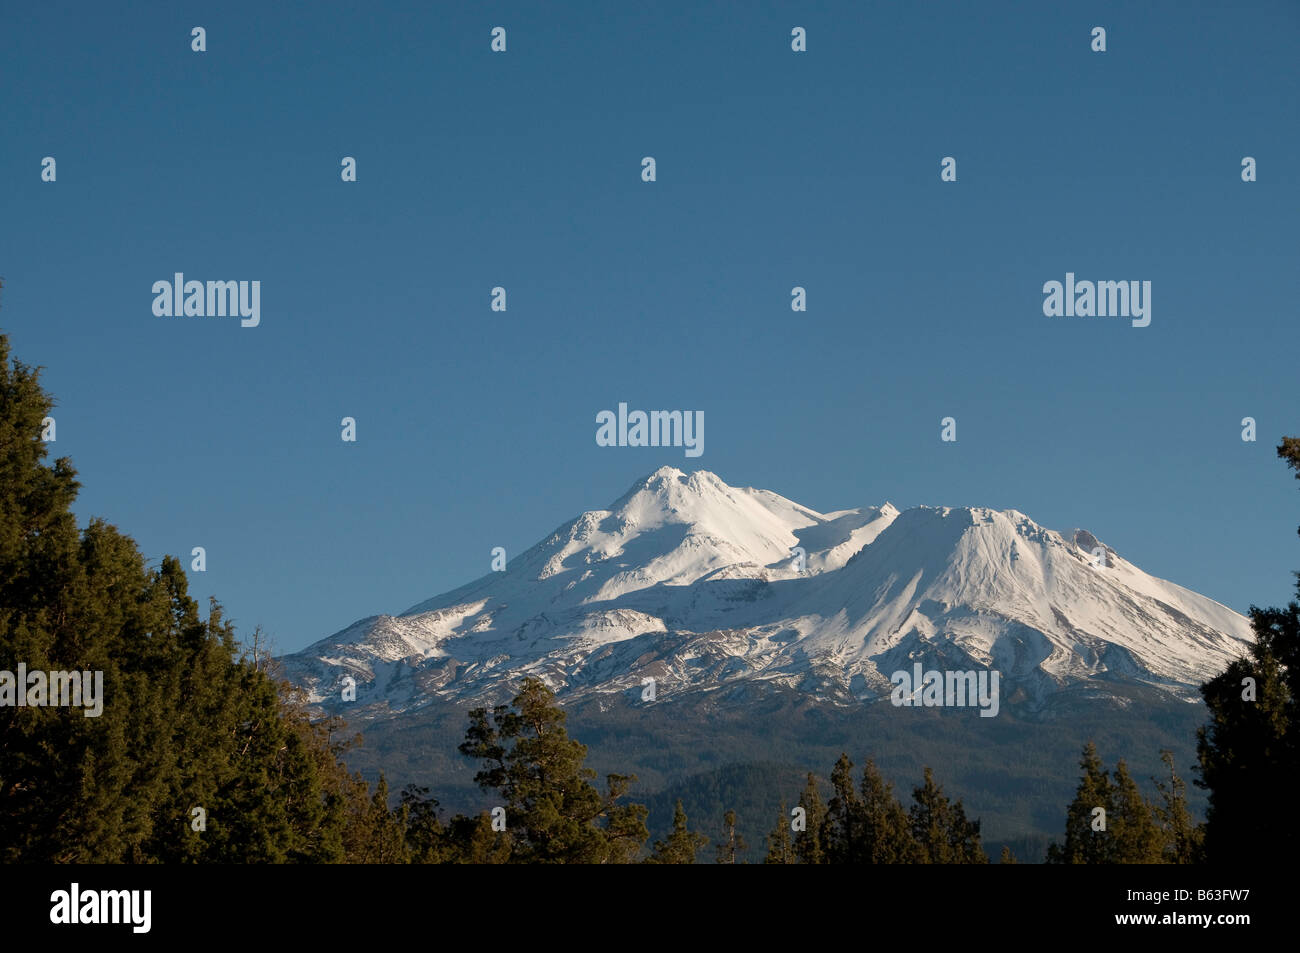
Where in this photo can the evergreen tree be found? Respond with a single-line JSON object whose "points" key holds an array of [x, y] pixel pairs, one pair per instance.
{"points": [[1181, 837], [1250, 750], [475, 842], [842, 835], [389, 846], [940, 828], [732, 843], [1134, 832], [553, 812], [625, 824], [1007, 857], [682, 844], [426, 837], [199, 754], [1083, 844], [780, 849], [70, 601], [314, 776], [886, 827], [807, 843]]}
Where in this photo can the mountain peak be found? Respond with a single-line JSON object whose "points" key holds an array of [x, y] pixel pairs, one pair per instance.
{"points": [[671, 487], [667, 476], [665, 472]]}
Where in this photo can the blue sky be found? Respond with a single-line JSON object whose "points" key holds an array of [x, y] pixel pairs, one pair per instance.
{"points": [[775, 169]]}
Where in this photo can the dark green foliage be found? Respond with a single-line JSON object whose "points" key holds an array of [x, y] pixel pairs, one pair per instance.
{"points": [[940, 829], [190, 720], [808, 842], [1181, 837], [553, 812], [842, 830], [1083, 844], [425, 836], [380, 834], [682, 844], [886, 829], [476, 841], [780, 848], [867, 825], [1136, 831], [1249, 753], [753, 791]]}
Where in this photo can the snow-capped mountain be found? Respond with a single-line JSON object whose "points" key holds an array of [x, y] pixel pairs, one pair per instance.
{"points": [[702, 585]]}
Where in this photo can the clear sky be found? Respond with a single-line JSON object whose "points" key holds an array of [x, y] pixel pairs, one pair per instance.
{"points": [[522, 169]]}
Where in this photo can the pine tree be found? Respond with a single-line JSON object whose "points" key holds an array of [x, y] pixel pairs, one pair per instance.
{"points": [[86, 602], [198, 755], [315, 790], [1083, 844], [1250, 750], [780, 849], [625, 824], [375, 834], [886, 828], [842, 829], [475, 842], [389, 846], [807, 843], [65, 602], [1007, 857], [1129, 829], [732, 843], [940, 828], [553, 812], [965, 838], [426, 837], [1181, 837], [682, 844], [1137, 837]]}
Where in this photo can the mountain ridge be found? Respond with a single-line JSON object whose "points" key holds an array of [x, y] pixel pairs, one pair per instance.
{"points": [[698, 584]]}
